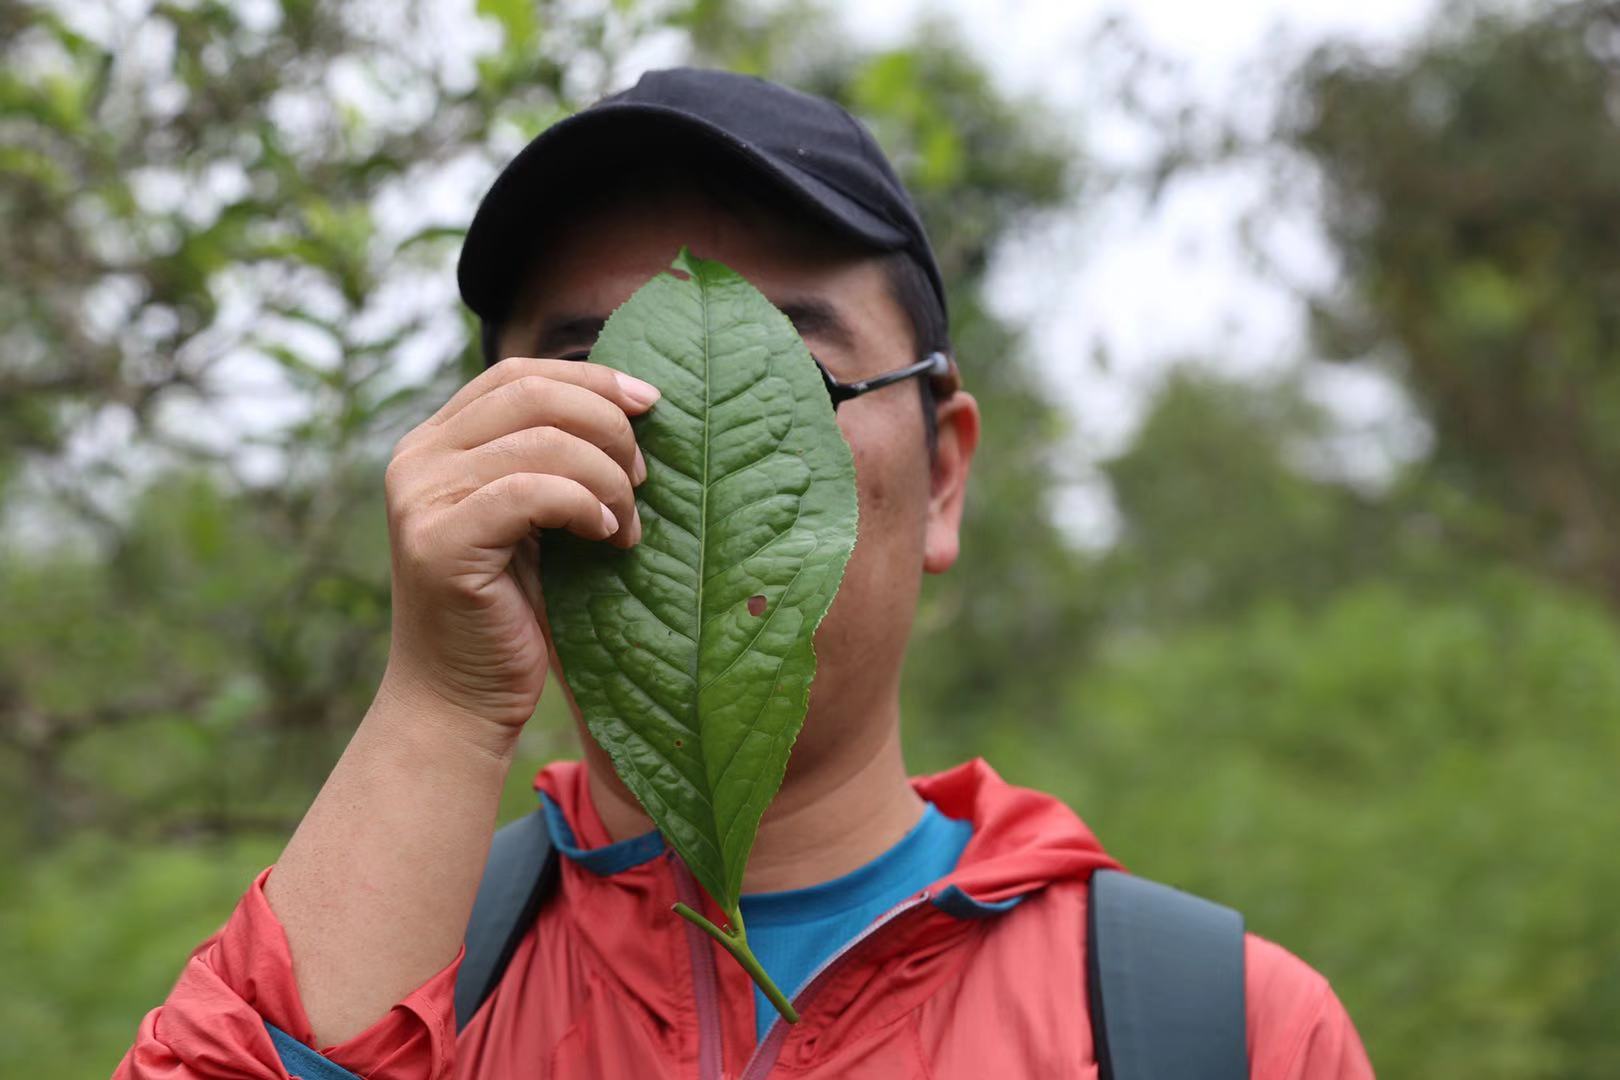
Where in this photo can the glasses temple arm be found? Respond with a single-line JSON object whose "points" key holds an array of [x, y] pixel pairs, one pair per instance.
{"points": [[934, 363]]}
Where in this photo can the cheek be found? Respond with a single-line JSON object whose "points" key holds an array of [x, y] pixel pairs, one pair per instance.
{"points": [[891, 509], [885, 570], [873, 487], [866, 628]]}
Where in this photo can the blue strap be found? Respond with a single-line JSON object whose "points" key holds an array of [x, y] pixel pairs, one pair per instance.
{"points": [[521, 868], [303, 1063], [1165, 976]]}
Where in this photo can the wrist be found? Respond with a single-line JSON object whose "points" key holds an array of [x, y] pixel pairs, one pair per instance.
{"points": [[413, 708]]}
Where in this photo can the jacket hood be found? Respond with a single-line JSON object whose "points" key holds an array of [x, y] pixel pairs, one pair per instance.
{"points": [[1023, 840]]}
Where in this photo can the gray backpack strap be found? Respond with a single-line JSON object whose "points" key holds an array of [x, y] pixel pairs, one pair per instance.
{"points": [[1165, 977], [521, 870]]}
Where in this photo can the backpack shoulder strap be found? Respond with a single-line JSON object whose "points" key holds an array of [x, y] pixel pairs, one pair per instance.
{"points": [[1165, 978], [521, 870]]}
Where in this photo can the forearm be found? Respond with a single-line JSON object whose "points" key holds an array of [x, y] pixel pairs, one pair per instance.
{"points": [[375, 887], [370, 899]]}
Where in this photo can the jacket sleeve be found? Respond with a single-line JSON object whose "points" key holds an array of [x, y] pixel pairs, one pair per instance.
{"points": [[236, 998], [1298, 1029]]}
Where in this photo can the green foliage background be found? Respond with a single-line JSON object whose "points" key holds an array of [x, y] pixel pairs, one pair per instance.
{"points": [[1383, 720]]}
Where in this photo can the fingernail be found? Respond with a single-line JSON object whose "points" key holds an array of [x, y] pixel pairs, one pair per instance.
{"points": [[638, 468], [635, 526], [609, 522], [638, 391]]}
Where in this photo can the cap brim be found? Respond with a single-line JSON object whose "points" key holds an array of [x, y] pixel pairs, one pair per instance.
{"points": [[498, 243]]}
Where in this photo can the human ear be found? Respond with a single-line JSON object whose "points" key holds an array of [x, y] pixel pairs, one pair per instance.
{"points": [[957, 418]]}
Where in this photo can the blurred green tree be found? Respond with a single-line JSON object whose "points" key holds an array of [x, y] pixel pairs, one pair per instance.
{"points": [[1216, 511], [1471, 199], [1336, 707], [1412, 792], [193, 216]]}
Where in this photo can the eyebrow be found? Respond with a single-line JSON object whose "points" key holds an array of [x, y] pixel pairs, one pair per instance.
{"points": [[810, 316], [814, 317]]}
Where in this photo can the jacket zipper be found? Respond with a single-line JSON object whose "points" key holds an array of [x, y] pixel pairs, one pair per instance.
{"points": [[770, 1048], [705, 980]]}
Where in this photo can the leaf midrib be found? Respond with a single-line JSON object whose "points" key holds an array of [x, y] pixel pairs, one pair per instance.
{"points": [[703, 552]]}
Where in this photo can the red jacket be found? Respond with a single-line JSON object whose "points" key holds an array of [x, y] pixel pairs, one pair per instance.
{"points": [[982, 974]]}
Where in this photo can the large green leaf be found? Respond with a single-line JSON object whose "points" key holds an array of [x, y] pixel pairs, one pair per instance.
{"points": [[690, 654]]}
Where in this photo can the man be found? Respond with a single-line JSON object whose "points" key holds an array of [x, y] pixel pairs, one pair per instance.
{"points": [[945, 915]]}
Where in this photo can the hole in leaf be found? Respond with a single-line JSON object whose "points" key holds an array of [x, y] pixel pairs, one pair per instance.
{"points": [[756, 604]]}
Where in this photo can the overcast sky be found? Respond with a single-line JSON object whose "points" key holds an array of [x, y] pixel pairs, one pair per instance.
{"points": [[1152, 288]]}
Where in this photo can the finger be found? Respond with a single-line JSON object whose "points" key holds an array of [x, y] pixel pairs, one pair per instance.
{"points": [[555, 451], [537, 402], [631, 394], [504, 511]]}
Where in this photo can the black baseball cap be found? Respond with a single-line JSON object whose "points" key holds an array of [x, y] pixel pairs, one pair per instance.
{"points": [[818, 155]]}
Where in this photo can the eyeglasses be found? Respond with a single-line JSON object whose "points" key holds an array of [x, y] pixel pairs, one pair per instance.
{"points": [[936, 365]]}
